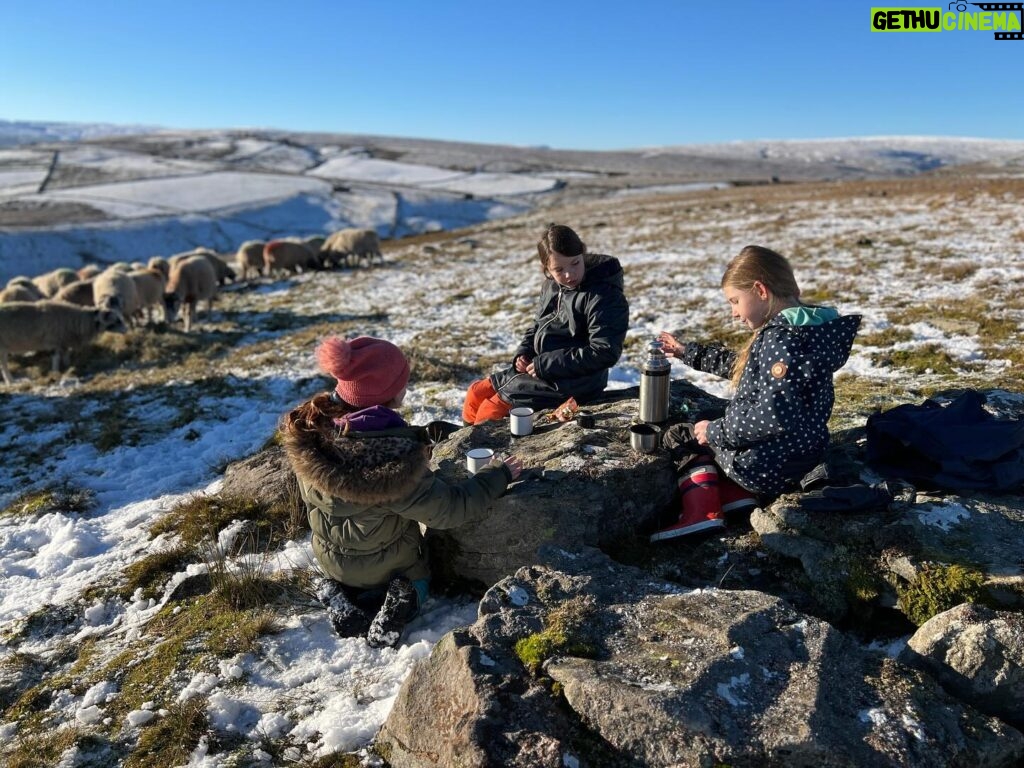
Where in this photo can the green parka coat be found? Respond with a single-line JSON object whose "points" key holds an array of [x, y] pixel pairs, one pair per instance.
{"points": [[366, 498]]}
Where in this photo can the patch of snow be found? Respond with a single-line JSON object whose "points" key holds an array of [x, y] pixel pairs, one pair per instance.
{"points": [[139, 717], [517, 595], [727, 690], [914, 726], [874, 715], [943, 515]]}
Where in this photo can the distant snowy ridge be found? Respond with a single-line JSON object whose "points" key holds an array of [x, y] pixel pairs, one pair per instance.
{"points": [[920, 153], [14, 132]]}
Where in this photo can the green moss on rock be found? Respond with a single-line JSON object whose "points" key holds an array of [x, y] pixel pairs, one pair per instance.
{"points": [[939, 588], [562, 634]]}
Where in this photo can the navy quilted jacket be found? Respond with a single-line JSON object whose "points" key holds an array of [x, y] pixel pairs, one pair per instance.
{"points": [[775, 429]]}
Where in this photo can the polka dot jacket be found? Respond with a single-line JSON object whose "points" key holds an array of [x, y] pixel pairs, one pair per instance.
{"points": [[775, 429]]}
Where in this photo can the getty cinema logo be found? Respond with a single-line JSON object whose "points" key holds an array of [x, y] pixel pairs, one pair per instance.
{"points": [[1003, 19]]}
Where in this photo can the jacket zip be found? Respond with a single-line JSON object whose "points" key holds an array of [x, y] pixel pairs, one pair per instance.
{"points": [[554, 315]]}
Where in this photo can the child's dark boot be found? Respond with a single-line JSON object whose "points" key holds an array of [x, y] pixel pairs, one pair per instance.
{"points": [[401, 604], [348, 620]]}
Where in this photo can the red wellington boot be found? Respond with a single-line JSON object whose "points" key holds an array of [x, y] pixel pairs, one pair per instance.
{"points": [[734, 497], [699, 504]]}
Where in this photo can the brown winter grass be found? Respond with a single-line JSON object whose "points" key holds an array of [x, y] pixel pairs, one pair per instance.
{"points": [[199, 518]]}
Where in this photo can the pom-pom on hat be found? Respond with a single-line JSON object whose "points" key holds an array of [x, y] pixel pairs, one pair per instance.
{"points": [[369, 371]]}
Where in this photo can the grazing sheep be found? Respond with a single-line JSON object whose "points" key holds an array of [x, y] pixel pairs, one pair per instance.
{"points": [[19, 292], [52, 282], [149, 286], [88, 272], [352, 246], [120, 266], [249, 258], [80, 293], [192, 280], [41, 326], [220, 267], [113, 289], [285, 255], [161, 265], [314, 242]]}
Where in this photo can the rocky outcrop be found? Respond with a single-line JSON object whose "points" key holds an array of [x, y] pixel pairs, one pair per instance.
{"points": [[628, 670], [265, 476], [977, 654], [583, 486], [890, 551]]}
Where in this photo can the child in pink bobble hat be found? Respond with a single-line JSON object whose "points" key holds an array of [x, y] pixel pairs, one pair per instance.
{"points": [[364, 476]]}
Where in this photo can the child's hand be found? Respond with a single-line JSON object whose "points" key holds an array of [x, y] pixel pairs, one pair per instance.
{"points": [[700, 432], [669, 344], [522, 365], [515, 466]]}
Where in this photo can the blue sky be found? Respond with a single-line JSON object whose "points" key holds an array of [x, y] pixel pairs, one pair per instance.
{"points": [[582, 75]]}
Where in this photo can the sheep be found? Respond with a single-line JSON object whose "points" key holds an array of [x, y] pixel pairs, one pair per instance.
{"points": [[149, 285], [80, 293], [220, 267], [352, 246], [41, 326], [88, 271], [52, 282], [312, 244], [192, 280], [160, 264], [287, 255], [113, 289], [18, 291], [249, 258]]}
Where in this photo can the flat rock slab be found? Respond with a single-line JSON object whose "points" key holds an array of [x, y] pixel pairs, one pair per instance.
{"points": [[652, 675], [582, 486]]}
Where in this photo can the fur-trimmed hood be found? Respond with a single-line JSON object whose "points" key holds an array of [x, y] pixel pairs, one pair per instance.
{"points": [[365, 470]]}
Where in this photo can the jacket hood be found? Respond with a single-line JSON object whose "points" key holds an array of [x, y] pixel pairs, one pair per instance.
{"points": [[806, 314], [368, 470], [829, 342], [602, 269]]}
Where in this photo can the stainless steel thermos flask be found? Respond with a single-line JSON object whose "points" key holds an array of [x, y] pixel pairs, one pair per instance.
{"points": [[654, 385]]}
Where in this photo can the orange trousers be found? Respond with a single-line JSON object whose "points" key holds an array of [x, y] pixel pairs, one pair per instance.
{"points": [[483, 403]]}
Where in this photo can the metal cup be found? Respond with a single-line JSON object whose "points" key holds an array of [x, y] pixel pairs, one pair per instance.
{"points": [[644, 438], [478, 458], [521, 421]]}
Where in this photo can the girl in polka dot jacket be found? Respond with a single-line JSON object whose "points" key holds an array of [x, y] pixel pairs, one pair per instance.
{"points": [[775, 429]]}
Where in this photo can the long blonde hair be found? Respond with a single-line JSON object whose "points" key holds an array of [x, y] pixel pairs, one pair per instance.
{"points": [[756, 264]]}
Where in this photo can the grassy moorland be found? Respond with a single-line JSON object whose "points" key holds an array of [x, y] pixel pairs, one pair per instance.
{"points": [[933, 264]]}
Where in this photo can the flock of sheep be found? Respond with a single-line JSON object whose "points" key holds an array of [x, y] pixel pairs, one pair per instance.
{"points": [[63, 309]]}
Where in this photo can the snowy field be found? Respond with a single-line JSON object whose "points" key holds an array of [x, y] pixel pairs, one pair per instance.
{"points": [[932, 265]]}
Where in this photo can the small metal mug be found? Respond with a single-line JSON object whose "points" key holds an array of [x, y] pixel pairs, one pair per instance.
{"points": [[521, 421], [478, 458], [645, 438]]}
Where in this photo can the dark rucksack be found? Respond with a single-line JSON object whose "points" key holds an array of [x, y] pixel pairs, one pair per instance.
{"points": [[959, 446]]}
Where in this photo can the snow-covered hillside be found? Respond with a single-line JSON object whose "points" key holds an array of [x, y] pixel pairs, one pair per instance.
{"points": [[76, 194]]}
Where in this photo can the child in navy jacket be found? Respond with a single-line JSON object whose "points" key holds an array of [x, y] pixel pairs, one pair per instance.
{"points": [[775, 429]]}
